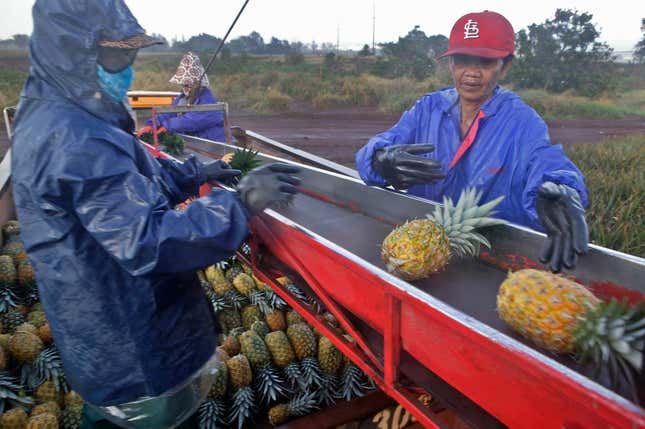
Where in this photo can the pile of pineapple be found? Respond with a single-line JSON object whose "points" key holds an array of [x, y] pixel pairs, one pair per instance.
{"points": [[274, 365], [33, 390]]}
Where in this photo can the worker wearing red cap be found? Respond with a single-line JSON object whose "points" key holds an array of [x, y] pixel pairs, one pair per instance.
{"points": [[479, 134]]}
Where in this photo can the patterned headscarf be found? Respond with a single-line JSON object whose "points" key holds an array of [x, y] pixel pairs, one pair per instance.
{"points": [[189, 71]]}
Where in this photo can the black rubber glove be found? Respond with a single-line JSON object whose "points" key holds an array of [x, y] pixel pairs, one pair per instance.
{"points": [[561, 213], [400, 166], [271, 185], [220, 171]]}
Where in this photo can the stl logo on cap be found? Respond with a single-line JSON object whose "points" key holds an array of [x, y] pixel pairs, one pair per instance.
{"points": [[471, 29]]}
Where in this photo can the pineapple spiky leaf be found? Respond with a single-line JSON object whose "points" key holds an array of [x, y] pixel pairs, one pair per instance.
{"points": [[212, 414]]}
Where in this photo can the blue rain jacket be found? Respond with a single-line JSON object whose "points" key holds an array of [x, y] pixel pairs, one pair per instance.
{"points": [[207, 125], [115, 263], [511, 154]]}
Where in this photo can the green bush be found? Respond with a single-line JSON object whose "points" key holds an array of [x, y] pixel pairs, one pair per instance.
{"points": [[615, 178]]}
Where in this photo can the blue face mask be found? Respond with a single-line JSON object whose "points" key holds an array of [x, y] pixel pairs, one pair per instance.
{"points": [[115, 84]]}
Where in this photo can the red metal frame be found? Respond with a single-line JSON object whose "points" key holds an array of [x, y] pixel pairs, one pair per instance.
{"points": [[515, 387]]}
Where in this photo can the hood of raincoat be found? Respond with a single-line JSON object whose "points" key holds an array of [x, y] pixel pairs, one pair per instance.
{"points": [[114, 261], [63, 53]]}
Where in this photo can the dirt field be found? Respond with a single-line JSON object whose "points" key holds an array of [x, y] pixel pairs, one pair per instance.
{"points": [[338, 134]]}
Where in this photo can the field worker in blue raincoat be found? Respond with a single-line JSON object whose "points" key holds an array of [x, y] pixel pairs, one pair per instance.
{"points": [[208, 125], [479, 134], [114, 261]]}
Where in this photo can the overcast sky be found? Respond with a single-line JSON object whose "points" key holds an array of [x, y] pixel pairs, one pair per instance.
{"points": [[348, 21]]}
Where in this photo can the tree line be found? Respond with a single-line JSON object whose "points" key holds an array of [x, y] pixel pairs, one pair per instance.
{"points": [[562, 53]]}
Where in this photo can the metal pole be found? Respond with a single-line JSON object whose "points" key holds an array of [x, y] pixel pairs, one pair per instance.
{"points": [[221, 44]]}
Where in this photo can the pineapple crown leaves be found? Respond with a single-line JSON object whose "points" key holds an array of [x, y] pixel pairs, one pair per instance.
{"points": [[10, 389], [242, 407], [212, 414], [245, 160], [311, 372], [294, 377], [351, 385], [47, 366], [274, 300], [269, 384], [460, 221], [611, 336], [327, 390], [235, 299], [302, 404], [259, 299]]}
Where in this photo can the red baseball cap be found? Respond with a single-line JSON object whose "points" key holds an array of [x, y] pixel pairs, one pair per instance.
{"points": [[483, 34]]}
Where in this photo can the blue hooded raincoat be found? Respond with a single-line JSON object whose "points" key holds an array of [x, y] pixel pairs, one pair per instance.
{"points": [[511, 153], [115, 263], [207, 125]]}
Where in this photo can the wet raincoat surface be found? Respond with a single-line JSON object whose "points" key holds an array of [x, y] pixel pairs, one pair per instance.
{"points": [[115, 264], [207, 125], [511, 153]]}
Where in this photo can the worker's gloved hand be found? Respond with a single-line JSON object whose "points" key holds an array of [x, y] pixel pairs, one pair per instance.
{"points": [[219, 171], [561, 213], [268, 186], [401, 167], [149, 129]]}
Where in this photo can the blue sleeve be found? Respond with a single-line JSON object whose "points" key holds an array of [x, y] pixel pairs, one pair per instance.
{"points": [[165, 116], [195, 121], [548, 163], [130, 216], [403, 132], [182, 179]]}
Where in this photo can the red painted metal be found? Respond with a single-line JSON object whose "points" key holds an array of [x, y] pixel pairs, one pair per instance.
{"points": [[515, 387]]}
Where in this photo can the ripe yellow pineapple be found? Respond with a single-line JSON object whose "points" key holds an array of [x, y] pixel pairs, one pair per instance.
{"points": [[280, 348], [25, 346], [250, 314], [243, 399], [43, 421], [422, 247], [564, 317], [329, 357], [302, 339], [50, 407], [14, 418], [244, 284], [276, 321], [302, 404], [47, 392], [218, 390]]}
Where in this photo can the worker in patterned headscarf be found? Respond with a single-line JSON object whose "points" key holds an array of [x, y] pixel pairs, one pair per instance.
{"points": [[208, 125]]}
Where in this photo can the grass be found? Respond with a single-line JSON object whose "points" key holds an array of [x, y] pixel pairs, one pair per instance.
{"points": [[566, 106], [615, 175]]}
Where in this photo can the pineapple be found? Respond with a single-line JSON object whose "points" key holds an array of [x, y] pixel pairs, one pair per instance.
{"points": [[276, 321], [48, 392], [15, 418], [218, 281], [285, 358], [8, 279], [73, 398], [3, 359], [564, 317], [48, 407], [243, 159], [25, 346], [228, 320], [45, 334], [233, 271], [16, 250], [49, 366], [300, 405], [243, 400], [71, 417], [303, 341], [36, 318], [218, 389], [243, 283], [329, 357], [293, 318], [422, 247], [11, 320], [280, 348], [260, 327], [11, 231], [231, 343], [268, 381], [250, 314], [43, 421]]}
